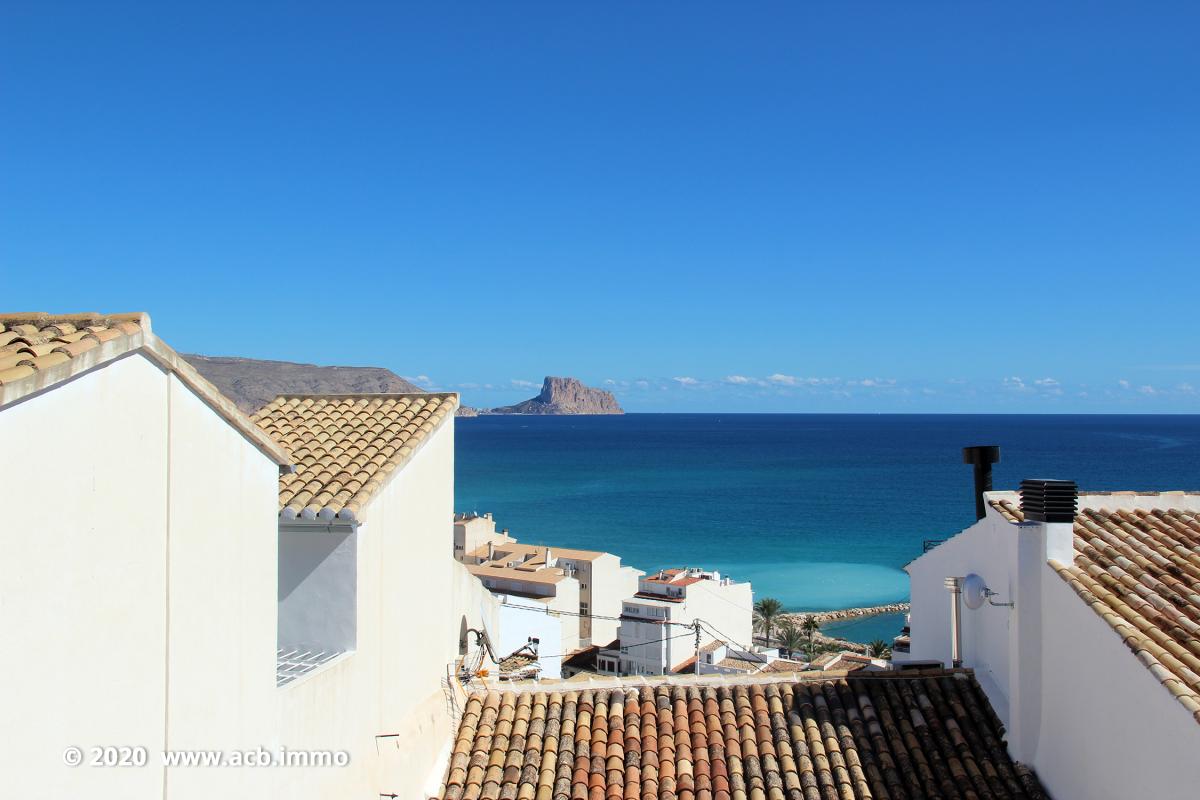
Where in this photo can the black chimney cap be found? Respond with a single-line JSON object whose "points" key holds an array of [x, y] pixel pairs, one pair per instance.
{"points": [[1048, 500], [982, 454]]}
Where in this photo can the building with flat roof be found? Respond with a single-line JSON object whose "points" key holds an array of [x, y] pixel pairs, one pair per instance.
{"points": [[655, 631], [563, 597]]}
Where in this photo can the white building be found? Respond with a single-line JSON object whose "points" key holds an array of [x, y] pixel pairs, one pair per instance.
{"points": [[583, 588], [373, 611], [655, 631], [1083, 628], [473, 531], [178, 577]]}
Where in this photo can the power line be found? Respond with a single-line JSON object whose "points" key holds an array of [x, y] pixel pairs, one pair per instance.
{"points": [[547, 610], [624, 647], [754, 656]]}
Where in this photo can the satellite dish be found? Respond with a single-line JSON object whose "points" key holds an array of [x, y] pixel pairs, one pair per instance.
{"points": [[975, 591]]}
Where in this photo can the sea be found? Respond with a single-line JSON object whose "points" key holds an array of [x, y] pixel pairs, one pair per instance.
{"points": [[820, 511]]}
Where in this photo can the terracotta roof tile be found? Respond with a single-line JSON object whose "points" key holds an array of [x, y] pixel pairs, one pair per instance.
{"points": [[40, 351], [927, 735], [345, 447], [37, 342], [1139, 570]]}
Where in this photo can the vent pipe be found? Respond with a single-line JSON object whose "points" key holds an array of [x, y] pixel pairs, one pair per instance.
{"points": [[955, 585], [982, 456]]}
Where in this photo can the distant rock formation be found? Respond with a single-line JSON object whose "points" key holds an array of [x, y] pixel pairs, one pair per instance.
{"points": [[252, 383], [466, 411], [565, 396]]}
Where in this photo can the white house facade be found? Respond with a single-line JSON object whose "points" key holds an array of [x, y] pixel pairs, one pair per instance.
{"points": [[178, 576], [133, 580], [655, 635], [1083, 628]]}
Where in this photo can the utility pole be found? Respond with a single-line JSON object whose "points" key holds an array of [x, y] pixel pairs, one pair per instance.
{"points": [[696, 627]]}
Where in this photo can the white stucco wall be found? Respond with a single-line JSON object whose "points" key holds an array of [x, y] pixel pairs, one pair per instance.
{"points": [[316, 567], [609, 585], [411, 597], [1109, 729], [989, 549], [1101, 725], [138, 562], [83, 580], [223, 512], [518, 625]]}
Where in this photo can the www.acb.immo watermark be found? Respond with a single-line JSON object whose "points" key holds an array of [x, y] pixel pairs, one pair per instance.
{"points": [[117, 756]]}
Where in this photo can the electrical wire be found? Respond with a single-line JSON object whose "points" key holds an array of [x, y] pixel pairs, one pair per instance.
{"points": [[716, 633], [639, 644], [546, 610]]}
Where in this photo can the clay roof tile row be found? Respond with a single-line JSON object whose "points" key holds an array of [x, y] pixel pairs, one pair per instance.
{"points": [[345, 447], [899, 736], [33, 343]]}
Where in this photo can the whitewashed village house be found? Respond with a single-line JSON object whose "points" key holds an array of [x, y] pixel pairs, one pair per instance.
{"points": [[557, 600], [1080, 616], [654, 635], [177, 575]]}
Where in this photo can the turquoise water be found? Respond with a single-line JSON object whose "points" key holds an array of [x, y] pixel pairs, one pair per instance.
{"points": [[819, 511], [866, 629]]}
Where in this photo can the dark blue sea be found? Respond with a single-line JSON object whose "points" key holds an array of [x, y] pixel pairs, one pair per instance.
{"points": [[820, 511]]}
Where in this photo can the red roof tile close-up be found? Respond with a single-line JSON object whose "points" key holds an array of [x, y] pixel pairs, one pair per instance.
{"points": [[900, 735]]}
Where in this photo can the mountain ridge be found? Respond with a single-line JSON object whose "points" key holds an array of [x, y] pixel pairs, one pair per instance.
{"points": [[251, 383]]}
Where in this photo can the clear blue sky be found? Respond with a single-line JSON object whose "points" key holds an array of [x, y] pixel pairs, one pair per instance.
{"points": [[902, 206]]}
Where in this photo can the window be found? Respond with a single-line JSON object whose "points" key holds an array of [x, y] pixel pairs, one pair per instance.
{"points": [[583, 609]]}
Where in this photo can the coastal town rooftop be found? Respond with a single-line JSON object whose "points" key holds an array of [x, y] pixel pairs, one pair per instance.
{"points": [[346, 446], [543, 574], [1137, 565], [40, 351], [808, 735], [517, 553]]}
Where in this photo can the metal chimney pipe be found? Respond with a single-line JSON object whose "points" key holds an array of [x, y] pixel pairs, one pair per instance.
{"points": [[955, 586], [982, 456]]}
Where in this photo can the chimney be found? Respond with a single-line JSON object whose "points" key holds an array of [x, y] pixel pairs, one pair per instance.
{"points": [[982, 456], [1047, 534]]}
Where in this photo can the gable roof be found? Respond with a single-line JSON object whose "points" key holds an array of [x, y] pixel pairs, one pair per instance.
{"points": [[40, 351], [1139, 569], [895, 735], [346, 446]]}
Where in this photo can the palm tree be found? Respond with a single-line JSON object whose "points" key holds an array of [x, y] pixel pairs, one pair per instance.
{"points": [[879, 649], [810, 627], [766, 611], [791, 638]]}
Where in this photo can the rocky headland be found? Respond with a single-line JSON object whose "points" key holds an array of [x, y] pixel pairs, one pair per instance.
{"points": [[565, 396]]}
